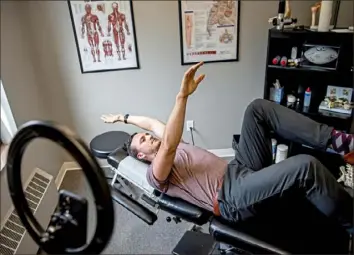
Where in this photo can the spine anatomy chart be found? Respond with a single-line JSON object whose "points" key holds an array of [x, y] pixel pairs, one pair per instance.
{"points": [[209, 30]]}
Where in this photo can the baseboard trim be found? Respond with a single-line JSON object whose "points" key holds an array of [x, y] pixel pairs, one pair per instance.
{"points": [[67, 166], [72, 166]]}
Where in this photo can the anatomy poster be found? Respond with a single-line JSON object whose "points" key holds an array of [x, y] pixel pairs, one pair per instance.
{"points": [[209, 31], [105, 35]]}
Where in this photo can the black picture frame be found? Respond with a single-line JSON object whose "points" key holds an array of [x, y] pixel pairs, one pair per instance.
{"points": [[133, 33], [238, 2]]}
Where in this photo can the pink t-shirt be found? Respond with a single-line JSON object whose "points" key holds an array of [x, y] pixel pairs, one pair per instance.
{"points": [[195, 176]]}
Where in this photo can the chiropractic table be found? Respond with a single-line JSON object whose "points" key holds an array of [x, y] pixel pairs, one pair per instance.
{"points": [[295, 227]]}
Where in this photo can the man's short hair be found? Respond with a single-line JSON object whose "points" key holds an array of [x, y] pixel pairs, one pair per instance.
{"points": [[132, 151], [128, 145]]}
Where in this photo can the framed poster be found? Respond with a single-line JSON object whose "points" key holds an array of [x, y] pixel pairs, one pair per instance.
{"points": [[105, 35], [209, 31]]}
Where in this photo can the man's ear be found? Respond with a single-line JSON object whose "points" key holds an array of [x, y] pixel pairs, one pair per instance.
{"points": [[141, 155]]}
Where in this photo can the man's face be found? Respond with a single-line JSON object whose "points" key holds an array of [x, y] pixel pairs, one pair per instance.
{"points": [[146, 145]]}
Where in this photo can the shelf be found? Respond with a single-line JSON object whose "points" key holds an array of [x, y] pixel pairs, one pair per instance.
{"points": [[315, 112], [307, 30], [304, 69], [309, 75], [275, 33], [327, 114]]}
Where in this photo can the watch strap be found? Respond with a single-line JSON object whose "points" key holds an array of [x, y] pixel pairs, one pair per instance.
{"points": [[126, 118]]}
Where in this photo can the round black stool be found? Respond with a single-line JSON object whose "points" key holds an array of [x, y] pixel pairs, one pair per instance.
{"points": [[102, 145]]}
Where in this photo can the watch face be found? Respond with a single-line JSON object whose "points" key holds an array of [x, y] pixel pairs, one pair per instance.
{"points": [[321, 55]]}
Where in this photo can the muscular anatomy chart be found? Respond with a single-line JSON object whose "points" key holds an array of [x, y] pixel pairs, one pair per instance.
{"points": [[107, 48], [209, 30], [105, 35], [117, 20], [91, 25]]}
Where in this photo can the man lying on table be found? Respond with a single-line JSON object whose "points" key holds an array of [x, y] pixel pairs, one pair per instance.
{"points": [[232, 189]]}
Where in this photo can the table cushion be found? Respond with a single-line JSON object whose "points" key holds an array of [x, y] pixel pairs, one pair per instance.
{"points": [[184, 209], [134, 171], [102, 145]]}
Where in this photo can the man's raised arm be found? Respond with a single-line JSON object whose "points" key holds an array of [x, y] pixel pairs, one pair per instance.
{"points": [[146, 123], [163, 162]]}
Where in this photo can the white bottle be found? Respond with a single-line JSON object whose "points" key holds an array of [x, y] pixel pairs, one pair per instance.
{"points": [[282, 153], [293, 53], [325, 15], [307, 97]]}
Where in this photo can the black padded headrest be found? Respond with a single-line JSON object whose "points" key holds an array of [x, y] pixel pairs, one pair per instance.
{"points": [[183, 209], [104, 144]]}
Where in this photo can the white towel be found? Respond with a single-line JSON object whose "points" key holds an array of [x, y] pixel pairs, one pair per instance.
{"points": [[135, 172]]}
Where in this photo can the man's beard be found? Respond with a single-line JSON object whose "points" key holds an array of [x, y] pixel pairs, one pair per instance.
{"points": [[157, 147]]}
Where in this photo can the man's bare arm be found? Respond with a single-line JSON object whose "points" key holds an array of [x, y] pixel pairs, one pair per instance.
{"points": [[163, 162], [165, 156], [153, 125]]}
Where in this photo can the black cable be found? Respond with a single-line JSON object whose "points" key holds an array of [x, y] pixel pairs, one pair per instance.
{"points": [[192, 135]]}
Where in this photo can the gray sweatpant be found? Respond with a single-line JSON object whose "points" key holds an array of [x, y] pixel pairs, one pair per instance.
{"points": [[251, 179]]}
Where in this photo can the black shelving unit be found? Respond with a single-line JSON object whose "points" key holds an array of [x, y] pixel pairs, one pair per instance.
{"points": [[317, 78]]}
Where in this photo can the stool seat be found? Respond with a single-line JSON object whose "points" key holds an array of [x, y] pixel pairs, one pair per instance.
{"points": [[102, 145]]}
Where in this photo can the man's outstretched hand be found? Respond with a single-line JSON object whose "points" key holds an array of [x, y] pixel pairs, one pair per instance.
{"points": [[189, 84], [111, 118]]}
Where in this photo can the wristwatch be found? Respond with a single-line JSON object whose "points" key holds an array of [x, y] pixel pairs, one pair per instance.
{"points": [[126, 118]]}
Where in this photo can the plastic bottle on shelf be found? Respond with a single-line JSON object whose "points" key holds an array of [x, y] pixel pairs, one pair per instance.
{"points": [[307, 97], [284, 61], [282, 153], [293, 53], [276, 60], [298, 106]]}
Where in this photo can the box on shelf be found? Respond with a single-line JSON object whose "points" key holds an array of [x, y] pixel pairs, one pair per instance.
{"points": [[276, 95], [338, 99]]}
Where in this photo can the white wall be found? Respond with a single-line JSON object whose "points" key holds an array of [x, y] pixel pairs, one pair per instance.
{"points": [[346, 16], [24, 95], [79, 99]]}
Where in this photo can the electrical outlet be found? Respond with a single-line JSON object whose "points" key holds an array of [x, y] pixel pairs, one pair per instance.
{"points": [[190, 124]]}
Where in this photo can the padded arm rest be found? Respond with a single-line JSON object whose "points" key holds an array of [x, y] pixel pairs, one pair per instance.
{"points": [[133, 206], [183, 209], [226, 234]]}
